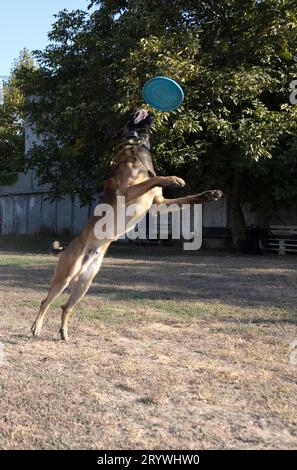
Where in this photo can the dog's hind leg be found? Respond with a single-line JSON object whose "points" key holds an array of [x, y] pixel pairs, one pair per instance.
{"points": [[55, 289], [79, 287], [68, 265]]}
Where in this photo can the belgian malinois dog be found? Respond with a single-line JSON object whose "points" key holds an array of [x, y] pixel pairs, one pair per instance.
{"points": [[133, 176]]}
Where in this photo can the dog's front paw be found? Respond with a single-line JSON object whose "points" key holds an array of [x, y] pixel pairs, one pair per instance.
{"points": [[172, 181], [212, 195]]}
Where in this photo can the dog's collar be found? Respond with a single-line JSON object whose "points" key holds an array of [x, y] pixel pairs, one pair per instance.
{"points": [[131, 142]]}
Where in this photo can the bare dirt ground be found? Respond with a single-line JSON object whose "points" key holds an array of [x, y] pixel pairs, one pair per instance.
{"points": [[166, 351]]}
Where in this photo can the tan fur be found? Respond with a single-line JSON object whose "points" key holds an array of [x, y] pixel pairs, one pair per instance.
{"points": [[82, 259]]}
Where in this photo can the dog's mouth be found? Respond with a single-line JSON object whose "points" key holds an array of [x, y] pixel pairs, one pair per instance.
{"points": [[140, 116], [140, 122]]}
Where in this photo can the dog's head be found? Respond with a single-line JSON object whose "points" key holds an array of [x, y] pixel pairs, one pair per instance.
{"points": [[138, 127]]}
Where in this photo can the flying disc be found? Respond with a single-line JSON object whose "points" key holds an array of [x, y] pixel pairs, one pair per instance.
{"points": [[163, 93]]}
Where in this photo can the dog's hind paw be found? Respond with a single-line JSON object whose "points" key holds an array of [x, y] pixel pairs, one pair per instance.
{"points": [[36, 328], [63, 334]]}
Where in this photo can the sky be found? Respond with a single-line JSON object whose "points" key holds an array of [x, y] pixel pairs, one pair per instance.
{"points": [[25, 23]]}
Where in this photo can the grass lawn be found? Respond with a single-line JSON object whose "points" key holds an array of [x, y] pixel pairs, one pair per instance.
{"points": [[167, 350]]}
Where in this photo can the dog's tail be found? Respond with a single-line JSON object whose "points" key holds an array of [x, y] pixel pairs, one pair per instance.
{"points": [[56, 248]]}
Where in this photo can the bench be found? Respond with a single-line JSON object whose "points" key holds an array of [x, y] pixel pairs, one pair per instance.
{"points": [[282, 239]]}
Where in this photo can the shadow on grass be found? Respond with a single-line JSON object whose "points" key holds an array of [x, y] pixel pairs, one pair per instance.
{"points": [[229, 282]]}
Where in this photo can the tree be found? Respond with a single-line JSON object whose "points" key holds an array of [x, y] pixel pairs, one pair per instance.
{"points": [[274, 180], [12, 124], [233, 58]]}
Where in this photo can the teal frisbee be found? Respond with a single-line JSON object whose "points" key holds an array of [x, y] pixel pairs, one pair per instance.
{"points": [[163, 93]]}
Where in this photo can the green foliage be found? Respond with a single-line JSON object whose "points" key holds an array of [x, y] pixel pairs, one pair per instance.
{"points": [[233, 58], [12, 124], [274, 181]]}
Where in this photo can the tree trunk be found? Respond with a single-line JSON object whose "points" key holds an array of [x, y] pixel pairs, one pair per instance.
{"points": [[237, 222]]}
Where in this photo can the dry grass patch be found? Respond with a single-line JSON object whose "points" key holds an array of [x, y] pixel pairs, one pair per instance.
{"points": [[165, 352]]}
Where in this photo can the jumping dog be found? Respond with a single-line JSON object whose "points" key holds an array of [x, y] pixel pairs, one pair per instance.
{"points": [[133, 177]]}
